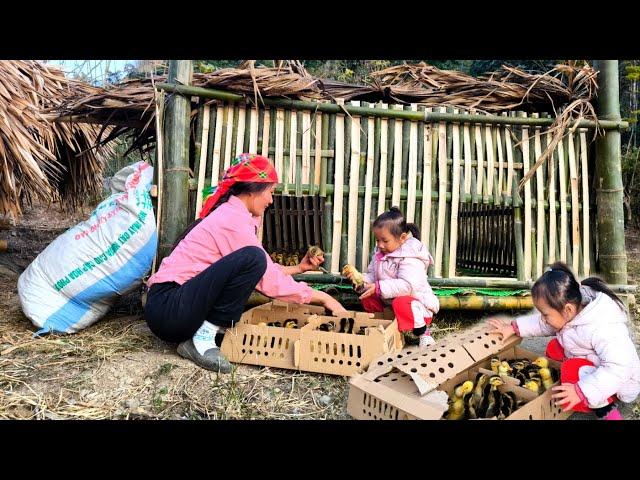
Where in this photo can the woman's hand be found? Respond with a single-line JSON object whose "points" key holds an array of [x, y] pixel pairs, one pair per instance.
{"points": [[334, 306], [368, 289], [311, 262], [566, 397], [502, 328]]}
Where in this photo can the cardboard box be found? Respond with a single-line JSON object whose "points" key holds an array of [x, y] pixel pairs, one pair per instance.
{"points": [[306, 348], [415, 384]]}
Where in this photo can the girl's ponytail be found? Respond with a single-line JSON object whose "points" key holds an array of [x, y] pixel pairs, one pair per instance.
{"points": [[599, 286]]}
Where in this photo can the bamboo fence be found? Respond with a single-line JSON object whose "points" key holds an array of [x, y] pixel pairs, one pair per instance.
{"points": [[457, 180]]}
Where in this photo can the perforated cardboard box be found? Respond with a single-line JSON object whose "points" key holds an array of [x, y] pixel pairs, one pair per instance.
{"points": [[415, 384], [306, 347]]}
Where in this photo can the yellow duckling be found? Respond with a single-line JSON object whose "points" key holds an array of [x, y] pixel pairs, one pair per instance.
{"points": [[290, 323], [262, 324], [354, 275], [504, 369], [481, 381], [315, 251], [294, 260], [532, 385], [279, 258], [495, 361], [541, 362], [462, 389], [456, 410], [545, 375]]}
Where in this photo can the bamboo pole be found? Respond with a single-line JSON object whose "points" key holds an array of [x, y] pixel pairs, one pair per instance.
{"points": [[502, 189], [442, 199], [382, 189], [413, 168], [433, 178], [318, 153], [266, 133], [552, 203], [455, 189], [509, 151], [253, 131], [159, 102], [585, 203], [404, 115], [517, 226], [279, 155], [397, 159], [306, 146], [467, 159], [575, 218], [612, 255], [217, 142], [203, 158], [228, 138], [354, 181], [490, 160], [176, 181], [480, 159], [562, 177], [537, 146], [337, 195], [366, 227], [242, 113], [527, 201], [293, 129]]}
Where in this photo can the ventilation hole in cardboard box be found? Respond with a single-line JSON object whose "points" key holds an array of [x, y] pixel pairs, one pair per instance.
{"points": [[380, 363], [432, 375], [251, 341], [394, 379], [349, 362], [315, 359], [358, 351], [493, 342], [257, 352], [244, 339], [452, 350], [351, 350], [423, 365], [390, 359], [405, 364], [434, 350], [376, 379], [443, 355], [530, 417], [408, 352], [364, 411], [399, 356], [311, 346], [324, 360], [470, 341], [326, 348], [404, 375], [441, 370], [433, 360], [375, 418], [335, 349], [450, 365], [244, 351], [340, 362], [486, 346], [414, 370], [266, 354], [486, 333], [396, 414], [343, 350], [357, 364], [250, 351], [479, 337], [369, 413], [333, 361], [280, 342]]}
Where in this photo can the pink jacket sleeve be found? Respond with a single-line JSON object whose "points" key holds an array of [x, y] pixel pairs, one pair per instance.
{"points": [[532, 325], [274, 283], [370, 276]]}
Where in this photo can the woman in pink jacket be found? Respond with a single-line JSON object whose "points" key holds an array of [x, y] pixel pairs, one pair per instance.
{"points": [[600, 361], [397, 275], [203, 286]]}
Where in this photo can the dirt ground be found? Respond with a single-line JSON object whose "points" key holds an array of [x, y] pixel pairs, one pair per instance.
{"points": [[117, 369]]}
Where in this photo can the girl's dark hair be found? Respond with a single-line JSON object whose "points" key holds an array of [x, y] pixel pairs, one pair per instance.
{"points": [[558, 286], [236, 189], [396, 223]]}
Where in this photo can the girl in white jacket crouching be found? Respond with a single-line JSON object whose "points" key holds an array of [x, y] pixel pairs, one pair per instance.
{"points": [[600, 361]]}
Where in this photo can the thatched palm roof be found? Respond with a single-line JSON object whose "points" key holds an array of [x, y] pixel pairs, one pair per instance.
{"points": [[39, 158], [129, 106]]}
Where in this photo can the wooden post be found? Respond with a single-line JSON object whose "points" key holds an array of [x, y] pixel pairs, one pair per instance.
{"points": [[175, 200], [612, 256]]}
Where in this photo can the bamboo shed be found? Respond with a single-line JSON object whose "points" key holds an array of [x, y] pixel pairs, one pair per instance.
{"points": [[453, 170]]}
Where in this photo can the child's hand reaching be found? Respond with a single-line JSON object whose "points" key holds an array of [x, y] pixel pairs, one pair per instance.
{"points": [[368, 289], [501, 327], [567, 396]]}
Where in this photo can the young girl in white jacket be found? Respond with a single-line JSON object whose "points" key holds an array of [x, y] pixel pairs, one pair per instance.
{"points": [[600, 361], [397, 276]]}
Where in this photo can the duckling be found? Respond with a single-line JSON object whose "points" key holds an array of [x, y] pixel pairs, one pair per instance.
{"points": [[462, 389], [362, 331], [481, 380], [274, 256], [470, 405], [346, 325], [327, 327], [545, 375], [290, 323], [274, 324], [491, 398], [315, 251], [279, 259], [495, 361], [456, 410], [533, 385], [262, 324], [517, 366], [541, 362], [507, 405], [355, 276], [504, 369], [293, 260]]}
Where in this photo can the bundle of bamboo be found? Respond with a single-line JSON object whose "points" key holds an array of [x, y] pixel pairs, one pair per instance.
{"points": [[41, 159]]}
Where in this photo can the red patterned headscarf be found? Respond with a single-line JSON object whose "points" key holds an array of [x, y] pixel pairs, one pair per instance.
{"points": [[246, 167]]}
